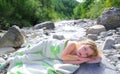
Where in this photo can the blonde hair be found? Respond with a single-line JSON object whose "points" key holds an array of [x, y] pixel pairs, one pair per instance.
{"points": [[93, 46]]}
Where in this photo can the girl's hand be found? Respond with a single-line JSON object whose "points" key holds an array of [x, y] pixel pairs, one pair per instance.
{"points": [[95, 60], [84, 59], [81, 60]]}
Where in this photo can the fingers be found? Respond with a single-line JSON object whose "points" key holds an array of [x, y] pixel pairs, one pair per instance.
{"points": [[84, 59]]}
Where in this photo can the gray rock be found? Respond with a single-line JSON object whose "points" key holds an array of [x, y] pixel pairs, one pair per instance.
{"points": [[110, 32], [13, 38], [108, 44], [92, 36], [96, 29], [47, 25], [79, 21], [96, 68], [110, 18], [117, 46], [109, 68], [117, 39], [118, 29], [103, 34], [59, 37], [115, 57], [6, 50], [118, 66], [118, 33], [2, 60]]}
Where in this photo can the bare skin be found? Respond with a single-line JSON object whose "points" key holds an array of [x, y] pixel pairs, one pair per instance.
{"points": [[76, 54]]}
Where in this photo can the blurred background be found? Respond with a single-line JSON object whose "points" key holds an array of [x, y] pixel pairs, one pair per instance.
{"points": [[26, 13]]}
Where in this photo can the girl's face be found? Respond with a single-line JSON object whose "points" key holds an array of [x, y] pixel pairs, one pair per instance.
{"points": [[84, 51]]}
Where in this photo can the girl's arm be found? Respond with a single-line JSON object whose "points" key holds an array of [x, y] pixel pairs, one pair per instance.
{"points": [[67, 54], [80, 61], [95, 60]]}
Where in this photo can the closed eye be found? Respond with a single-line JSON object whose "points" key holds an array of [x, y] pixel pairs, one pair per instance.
{"points": [[86, 52], [85, 48]]}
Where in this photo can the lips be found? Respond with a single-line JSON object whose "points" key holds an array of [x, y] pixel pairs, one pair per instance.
{"points": [[79, 54]]}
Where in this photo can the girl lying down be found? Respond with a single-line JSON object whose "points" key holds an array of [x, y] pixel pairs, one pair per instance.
{"points": [[53, 57]]}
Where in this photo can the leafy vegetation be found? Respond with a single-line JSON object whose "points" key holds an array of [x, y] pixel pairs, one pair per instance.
{"points": [[93, 8], [30, 12]]}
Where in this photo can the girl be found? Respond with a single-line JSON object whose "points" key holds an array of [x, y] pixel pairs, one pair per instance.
{"points": [[80, 52], [70, 52]]}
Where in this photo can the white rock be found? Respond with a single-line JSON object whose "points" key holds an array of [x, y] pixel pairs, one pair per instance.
{"points": [[118, 66], [96, 29], [1, 60], [6, 50], [117, 46]]}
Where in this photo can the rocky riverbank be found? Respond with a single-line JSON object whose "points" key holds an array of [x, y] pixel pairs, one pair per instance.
{"points": [[108, 40]]}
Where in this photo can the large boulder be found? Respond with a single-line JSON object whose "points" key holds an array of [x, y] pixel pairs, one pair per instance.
{"points": [[104, 67], [110, 18], [12, 38], [47, 25], [96, 29]]}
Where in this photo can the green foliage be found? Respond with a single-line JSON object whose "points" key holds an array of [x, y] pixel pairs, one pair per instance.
{"points": [[96, 9], [77, 11], [108, 3], [23, 12], [6, 9], [63, 9], [93, 8], [30, 12], [82, 8], [115, 3]]}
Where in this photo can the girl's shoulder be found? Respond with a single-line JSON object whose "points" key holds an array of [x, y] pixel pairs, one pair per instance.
{"points": [[73, 42]]}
